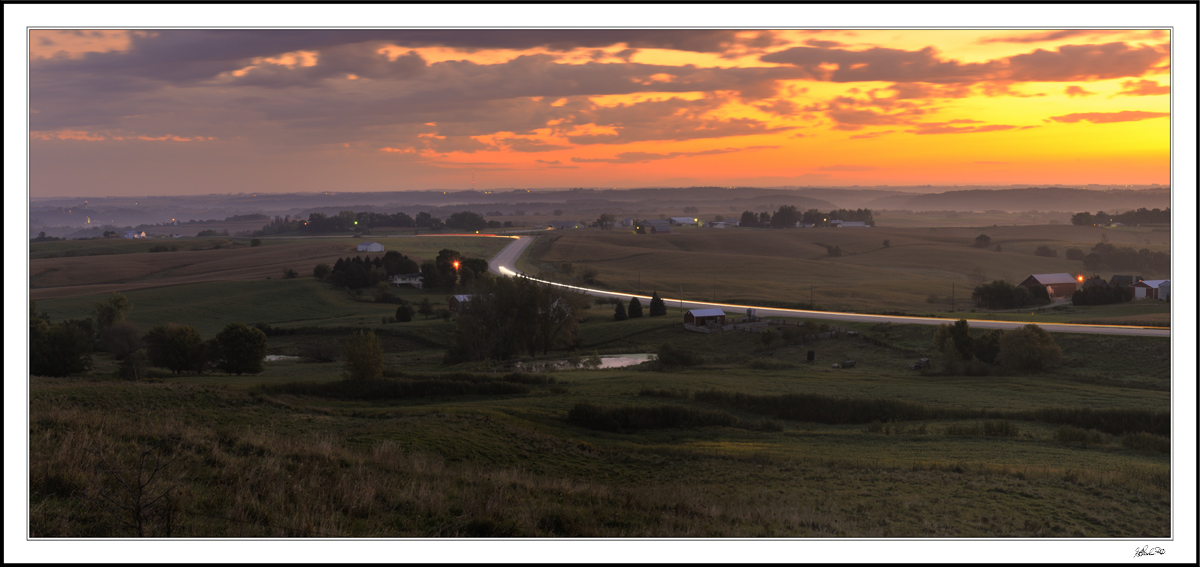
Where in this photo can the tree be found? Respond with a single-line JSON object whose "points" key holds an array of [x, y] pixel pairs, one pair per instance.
{"points": [[425, 308], [111, 310], [431, 278], [508, 316], [834, 250], [619, 312], [955, 339], [255, 242], [1074, 254], [1045, 251], [606, 221], [749, 219], [466, 220], [61, 349], [121, 339], [404, 313], [397, 263], [289, 274], [635, 308], [786, 217], [887, 243], [1082, 219], [321, 271], [1028, 349], [764, 218], [363, 356], [982, 241], [175, 347], [658, 308], [239, 349], [1094, 261]]}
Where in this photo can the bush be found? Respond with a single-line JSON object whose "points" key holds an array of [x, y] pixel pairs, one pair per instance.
{"points": [[289, 273], [1028, 349], [239, 349], [363, 356], [1072, 434], [1143, 441], [669, 356], [982, 241], [404, 313], [1046, 251], [321, 271], [255, 242], [322, 350], [1075, 254]]}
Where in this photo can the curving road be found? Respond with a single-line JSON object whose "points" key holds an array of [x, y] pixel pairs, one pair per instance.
{"points": [[505, 263]]}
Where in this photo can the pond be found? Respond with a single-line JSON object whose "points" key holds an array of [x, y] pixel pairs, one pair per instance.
{"points": [[279, 358], [606, 361]]}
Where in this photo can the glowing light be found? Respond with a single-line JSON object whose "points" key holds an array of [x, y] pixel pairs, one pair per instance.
{"points": [[1080, 278]]}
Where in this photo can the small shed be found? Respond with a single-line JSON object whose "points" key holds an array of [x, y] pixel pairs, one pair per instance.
{"points": [[454, 302], [703, 316], [1057, 285], [1151, 289], [370, 247]]}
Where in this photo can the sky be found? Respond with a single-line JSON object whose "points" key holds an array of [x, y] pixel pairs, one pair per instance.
{"points": [[195, 111]]}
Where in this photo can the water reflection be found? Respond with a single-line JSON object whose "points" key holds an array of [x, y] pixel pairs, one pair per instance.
{"points": [[606, 361]]}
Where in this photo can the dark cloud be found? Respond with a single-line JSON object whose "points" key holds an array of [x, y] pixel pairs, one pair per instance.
{"points": [[549, 162], [781, 107], [1048, 36], [1067, 63], [1143, 88], [822, 43], [642, 157], [1076, 90], [1108, 117], [873, 134], [671, 119], [1084, 62]]}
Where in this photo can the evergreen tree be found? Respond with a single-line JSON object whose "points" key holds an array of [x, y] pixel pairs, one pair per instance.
{"points": [[619, 313], [657, 306], [635, 308]]}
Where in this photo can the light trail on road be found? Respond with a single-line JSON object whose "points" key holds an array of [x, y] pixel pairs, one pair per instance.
{"points": [[504, 263]]}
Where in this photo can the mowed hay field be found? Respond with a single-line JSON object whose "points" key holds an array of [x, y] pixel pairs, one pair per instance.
{"points": [[105, 266], [733, 265]]}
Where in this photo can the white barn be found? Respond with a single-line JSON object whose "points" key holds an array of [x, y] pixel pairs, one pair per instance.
{"points": [[1152, 289], [370, 247]]}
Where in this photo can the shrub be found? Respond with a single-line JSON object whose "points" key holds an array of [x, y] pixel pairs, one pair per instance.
{"points": [[669, 356], [322, 350], [1028, 349], [1075, 254], [255, 242], [982, 241], [1072, 434], [1143, 441], [321, 271], [289, 273], [363, 356], [1045, 251], [404, 313]]}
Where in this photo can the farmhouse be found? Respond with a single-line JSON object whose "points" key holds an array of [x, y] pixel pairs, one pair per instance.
{"points": [[1057, 285], [132, 234], [1152, 289], [370, 247], [627, 221], [454, 302], [562, 225], [655, 227], [704, 316], [413, 279], [683, 221]]}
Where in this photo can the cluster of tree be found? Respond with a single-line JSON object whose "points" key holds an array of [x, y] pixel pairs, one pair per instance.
{"points": [[787, 216], [467, 220], [1106, 256], [237, 349], [1002, 295], [1026, 349], [451, 268], [635, 309], [509, 316], [1045, 251], [59, 349], [1139, 216], [1099, 292], [41, 237], [211, 232], [359, 272]]}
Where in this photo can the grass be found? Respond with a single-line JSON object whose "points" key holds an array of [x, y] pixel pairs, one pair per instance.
{"points": [[790, 266]]}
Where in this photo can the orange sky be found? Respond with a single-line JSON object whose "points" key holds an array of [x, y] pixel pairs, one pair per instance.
{"points": [[313, 110]]}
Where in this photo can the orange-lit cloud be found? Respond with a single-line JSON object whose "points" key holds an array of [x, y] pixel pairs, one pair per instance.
{"points": [[1109, 117]]}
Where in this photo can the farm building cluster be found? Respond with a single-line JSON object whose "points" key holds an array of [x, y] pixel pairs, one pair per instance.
{"points": [[1063, 285]]}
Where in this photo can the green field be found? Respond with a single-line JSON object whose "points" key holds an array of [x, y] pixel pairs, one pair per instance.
{"points": [[292, 463]]}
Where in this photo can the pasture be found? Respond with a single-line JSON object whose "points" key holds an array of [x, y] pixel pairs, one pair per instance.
{"points": [[790, 266], [105, 266]]}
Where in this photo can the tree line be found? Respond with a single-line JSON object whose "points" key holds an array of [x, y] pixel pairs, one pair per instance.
{"points": [[1139, 216], [349, 221], [788, 215]]}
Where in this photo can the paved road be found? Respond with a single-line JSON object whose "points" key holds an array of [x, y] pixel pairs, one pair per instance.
{"points": [[505, 263]]}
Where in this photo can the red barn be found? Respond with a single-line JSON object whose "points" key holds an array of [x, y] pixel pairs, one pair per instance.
{"points": [[1057, 285], [703, 316]]}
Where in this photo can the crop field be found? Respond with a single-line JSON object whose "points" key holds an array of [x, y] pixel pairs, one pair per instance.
{"points": [[105, 266], [790, 266]]}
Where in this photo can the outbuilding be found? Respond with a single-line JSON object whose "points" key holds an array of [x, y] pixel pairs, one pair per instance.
{"points": [[455, 302], [655, 227], [1152, 289], [563, 225], [684, 221], [370, 247], [1057, 285], [704, 316]]}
